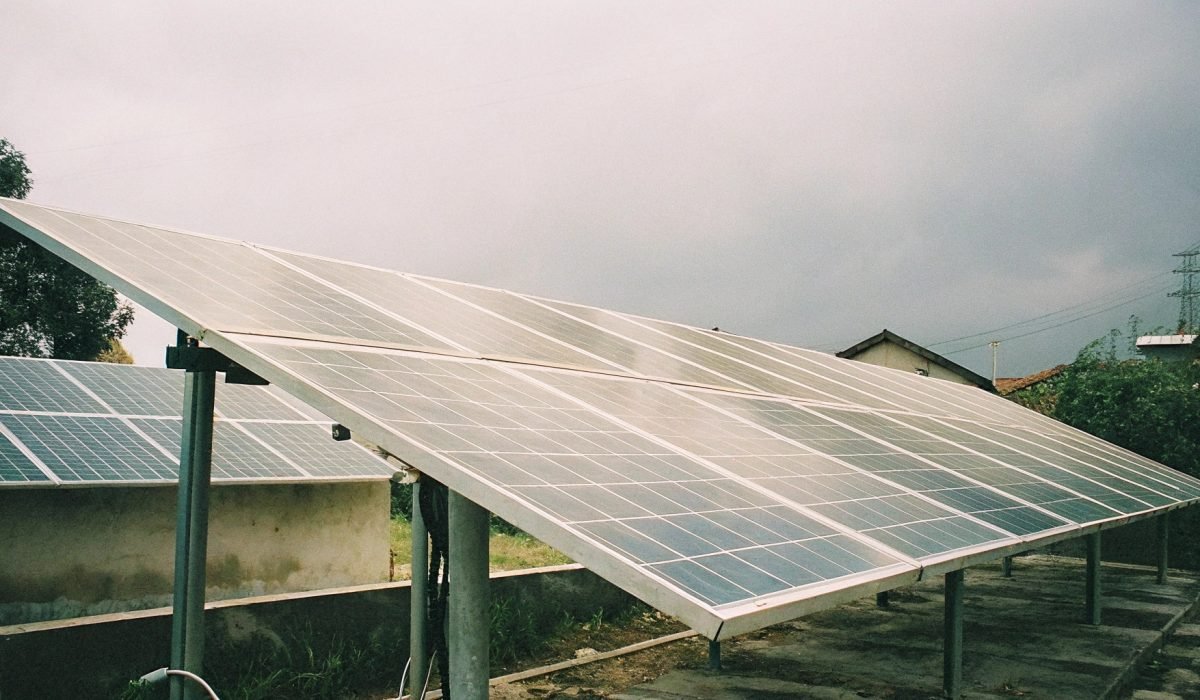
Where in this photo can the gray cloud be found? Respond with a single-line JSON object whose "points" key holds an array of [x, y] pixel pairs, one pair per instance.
{"points": [[809, 173]]}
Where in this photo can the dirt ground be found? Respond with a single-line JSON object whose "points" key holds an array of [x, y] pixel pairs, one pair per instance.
{"points": [[602, 678], [1025, 637]]}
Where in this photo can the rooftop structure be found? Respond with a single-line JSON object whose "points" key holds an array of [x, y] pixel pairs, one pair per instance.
{"points": [[887, 349], [1178, 347]]}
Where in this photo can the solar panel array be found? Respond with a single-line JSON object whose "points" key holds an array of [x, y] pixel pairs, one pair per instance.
{"points": [[75, 423], [731, 481]]}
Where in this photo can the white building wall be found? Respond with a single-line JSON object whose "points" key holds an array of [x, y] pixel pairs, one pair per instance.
{"points": [[67, 552], [888, 354]]}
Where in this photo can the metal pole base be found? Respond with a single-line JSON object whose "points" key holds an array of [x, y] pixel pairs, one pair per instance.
{"points": [[1163, 531], [714, 655], [952, 673], [1094, 604]]}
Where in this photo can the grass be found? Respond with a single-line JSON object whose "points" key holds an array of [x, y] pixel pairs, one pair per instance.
{"points": [[506, 552]]}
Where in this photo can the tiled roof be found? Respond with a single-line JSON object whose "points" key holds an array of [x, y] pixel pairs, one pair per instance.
{"points": [[1007, 385]]}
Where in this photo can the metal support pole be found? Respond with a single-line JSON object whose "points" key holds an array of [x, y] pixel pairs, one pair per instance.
{"points": [[1093, 578], [418, 613], [1006, 567], [714, 655], [191, 531], [881, 599], [1163, 523], [469, 615], [952, 647]]}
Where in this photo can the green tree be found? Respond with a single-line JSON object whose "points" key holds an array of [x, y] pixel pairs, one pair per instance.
{"points": [[49, 308], [1145, 405], [1148, 406]]}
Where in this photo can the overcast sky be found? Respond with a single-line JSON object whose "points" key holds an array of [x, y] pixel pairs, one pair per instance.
{"points": [[803, 172]]}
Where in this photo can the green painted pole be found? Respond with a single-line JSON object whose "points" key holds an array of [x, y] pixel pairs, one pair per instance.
{"points": [[714, 655], [418, 636], [952, 664], [1093, 579], [1163, 531], [191, 532], [1006, 567], [882, 600], [470, 609]]}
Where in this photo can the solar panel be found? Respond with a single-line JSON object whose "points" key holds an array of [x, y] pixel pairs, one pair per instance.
{"points": [[37, 386], [90, 448], [85, 422], [197, 276], [671, 515], [731, 481]]}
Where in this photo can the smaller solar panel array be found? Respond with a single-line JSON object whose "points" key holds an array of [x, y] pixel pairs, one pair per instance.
{"points": [[64, 423]]}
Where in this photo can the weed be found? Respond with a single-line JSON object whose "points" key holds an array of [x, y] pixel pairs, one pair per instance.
{"points": [[513, 633]]}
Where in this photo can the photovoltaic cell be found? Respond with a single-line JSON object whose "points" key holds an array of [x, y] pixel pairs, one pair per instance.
{"points": [[96, 422], [90, 448], [617, 350], [38, 386], [1008, 471], [464, 325], [733, 374], [145, 391], [252, 402], [608, 483], [15, 467], [310, 447], [235, 454], [198, 276]]}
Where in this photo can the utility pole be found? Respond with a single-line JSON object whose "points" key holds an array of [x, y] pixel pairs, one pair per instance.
{"points": [[1188, 288], [995, 344]]}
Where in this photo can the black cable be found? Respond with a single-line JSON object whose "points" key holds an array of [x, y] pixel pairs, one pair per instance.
{"points": [[434, 500]]}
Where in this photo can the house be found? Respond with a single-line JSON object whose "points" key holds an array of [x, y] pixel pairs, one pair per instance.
{"points": [[1170, 348], [887, 349], [88, 490]]}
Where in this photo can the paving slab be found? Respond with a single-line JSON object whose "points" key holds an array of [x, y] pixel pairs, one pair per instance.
{"points": [[1024, 636]]}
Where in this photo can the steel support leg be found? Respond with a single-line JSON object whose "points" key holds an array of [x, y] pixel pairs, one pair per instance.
{"points": [[881, 599], [1006, 567], [714, 655], [191, 532], [1163, 523], [952, 648], [418, 613], [469, 618], [1093, 579]]}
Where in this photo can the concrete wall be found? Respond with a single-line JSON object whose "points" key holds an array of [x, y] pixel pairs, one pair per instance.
{"points": [[96, 657], [888, 354], [71, 552]]}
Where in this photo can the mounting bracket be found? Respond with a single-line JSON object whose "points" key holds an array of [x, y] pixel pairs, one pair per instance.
{"points": [[191, 357]]}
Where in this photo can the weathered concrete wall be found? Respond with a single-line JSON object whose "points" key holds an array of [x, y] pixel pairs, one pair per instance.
{"points": [[70, 552], [96, 657], [887, 354]]}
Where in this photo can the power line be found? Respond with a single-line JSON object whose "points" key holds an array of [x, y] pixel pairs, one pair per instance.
{"points": [[1064, 310], [1059, 325]]}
